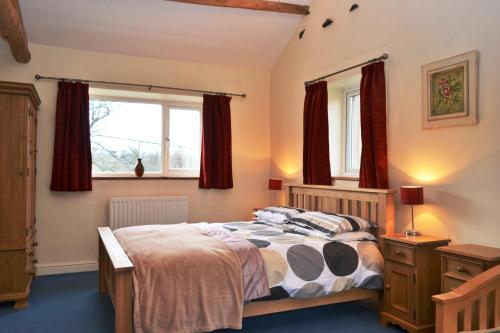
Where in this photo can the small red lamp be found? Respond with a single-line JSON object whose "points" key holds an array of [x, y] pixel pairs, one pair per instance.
{"points": [[412, 195], [275, 184]]}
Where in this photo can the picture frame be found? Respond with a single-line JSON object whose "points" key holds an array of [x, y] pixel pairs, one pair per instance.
{"points": [[450, 90]]}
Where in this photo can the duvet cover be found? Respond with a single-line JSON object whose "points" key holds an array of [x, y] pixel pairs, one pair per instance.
{"points": [[301, 266]]}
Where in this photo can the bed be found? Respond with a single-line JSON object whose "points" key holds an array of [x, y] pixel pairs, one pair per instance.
{"points": [[376, 206]]}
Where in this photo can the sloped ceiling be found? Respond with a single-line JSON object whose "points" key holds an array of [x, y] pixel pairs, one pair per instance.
{"points": [[162, 29]]}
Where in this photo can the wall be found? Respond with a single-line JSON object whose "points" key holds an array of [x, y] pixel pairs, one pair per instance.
{"points": [[67, 222], [458, 166]]}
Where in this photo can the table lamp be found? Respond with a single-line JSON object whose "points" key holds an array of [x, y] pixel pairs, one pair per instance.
{"points": [[412, 195], [275, 185]]}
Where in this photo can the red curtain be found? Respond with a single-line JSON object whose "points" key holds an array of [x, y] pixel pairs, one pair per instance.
{"points": [[72, 163], [216, 165], [316, 159], [373, 171]]}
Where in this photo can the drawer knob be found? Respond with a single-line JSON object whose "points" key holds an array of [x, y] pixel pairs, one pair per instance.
{"points": [[388, 286], [399, 253], [461, 269]]}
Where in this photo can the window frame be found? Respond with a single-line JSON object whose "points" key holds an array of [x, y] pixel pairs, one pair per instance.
{"points": [[348, 171], [166, 105], [166, 163]]}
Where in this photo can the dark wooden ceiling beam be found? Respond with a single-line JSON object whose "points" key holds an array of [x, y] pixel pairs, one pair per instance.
{"points": [[12, 30], [270, 6]]}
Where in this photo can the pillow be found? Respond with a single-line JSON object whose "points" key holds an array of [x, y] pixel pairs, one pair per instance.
{"points": [[330, 223], [290, 227], [342, 237], [277, 214]]}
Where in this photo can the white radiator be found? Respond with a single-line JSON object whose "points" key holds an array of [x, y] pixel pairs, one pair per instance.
{"points": [[126, 212]]}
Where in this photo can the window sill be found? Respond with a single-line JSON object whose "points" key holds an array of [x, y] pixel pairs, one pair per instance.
{"points": [[145, 178], [352, 179]]}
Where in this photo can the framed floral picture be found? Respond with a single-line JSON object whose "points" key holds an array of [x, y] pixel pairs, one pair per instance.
{"points": [[449, 91]]}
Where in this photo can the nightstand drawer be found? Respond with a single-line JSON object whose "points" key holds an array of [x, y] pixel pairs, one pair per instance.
{"points": [[463, 269], [450, 284], [400, 253]]}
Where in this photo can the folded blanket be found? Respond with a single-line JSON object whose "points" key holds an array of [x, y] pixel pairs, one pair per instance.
{"points": [[184, 281], [255, 284]]}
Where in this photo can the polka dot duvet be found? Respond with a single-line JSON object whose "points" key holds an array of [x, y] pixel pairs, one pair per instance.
{"points": [[301, 266]]}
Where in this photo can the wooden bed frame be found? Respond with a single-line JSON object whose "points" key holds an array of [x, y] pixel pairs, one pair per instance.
{"points": [[455, 309], [377, 206]]}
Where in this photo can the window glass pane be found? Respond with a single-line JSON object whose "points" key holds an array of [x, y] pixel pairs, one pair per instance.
{"points": [[353, 140], [185, 139], [122, 132]]}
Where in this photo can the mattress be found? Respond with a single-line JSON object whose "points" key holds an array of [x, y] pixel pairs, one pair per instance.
{"points": [[303, 267]]}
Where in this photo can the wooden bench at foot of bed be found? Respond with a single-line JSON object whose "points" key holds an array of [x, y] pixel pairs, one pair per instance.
{"points": [[377, 206]]}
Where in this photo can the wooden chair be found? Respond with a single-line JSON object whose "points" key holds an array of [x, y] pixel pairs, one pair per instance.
{"points": [[473, 305]]}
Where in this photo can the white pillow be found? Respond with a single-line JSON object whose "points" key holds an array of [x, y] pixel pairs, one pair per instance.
{"points": [[277, 214]]}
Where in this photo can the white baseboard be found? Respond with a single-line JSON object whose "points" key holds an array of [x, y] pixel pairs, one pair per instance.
{"points": [[88, 266]]}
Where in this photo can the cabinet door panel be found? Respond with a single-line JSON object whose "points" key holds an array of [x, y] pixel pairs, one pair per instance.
{"points": [[13, 277], [400, 290], [13, 171]]}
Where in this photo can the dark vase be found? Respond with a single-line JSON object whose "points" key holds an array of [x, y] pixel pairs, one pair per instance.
{"points": [[139, 168]]}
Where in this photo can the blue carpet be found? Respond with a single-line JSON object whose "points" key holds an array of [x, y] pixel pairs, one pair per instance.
{"points": [[70, 303]]}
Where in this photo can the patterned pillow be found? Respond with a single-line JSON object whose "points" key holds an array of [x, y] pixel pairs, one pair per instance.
{"points": [[277, 214], [330, 223]]}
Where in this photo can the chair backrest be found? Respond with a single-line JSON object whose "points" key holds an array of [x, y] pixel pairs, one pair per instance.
{"points": [[474, 305]]}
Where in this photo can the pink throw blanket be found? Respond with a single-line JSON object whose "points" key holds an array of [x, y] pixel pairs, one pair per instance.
{"points": [[184, 281]]}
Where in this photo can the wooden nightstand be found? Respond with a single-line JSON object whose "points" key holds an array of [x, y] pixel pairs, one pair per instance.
{"points": [[460, 263], [411, 277]]}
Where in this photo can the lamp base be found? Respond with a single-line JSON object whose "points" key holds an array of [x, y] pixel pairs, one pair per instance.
{"points": [[413, 233]]}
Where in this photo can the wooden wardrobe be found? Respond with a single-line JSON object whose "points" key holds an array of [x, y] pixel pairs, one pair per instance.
{"points": [[19, 103]]}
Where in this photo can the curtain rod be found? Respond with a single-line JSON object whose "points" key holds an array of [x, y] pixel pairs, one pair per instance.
{"points": [[148, 86], [381, 58]]}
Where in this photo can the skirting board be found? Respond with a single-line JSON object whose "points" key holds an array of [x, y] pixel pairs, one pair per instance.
{"points": [[53, 269]]}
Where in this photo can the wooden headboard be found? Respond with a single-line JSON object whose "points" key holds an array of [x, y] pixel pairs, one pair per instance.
{"points": [[374, 205]]}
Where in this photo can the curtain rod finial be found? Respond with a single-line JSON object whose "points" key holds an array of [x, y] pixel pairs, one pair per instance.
{"points": [[38, 76]]}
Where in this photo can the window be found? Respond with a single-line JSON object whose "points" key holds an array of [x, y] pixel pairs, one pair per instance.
{"points": [[166, 137], [185, 141], [345, 126], [353, 133]]}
